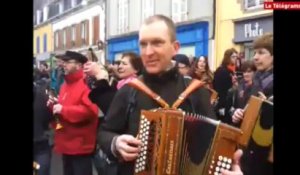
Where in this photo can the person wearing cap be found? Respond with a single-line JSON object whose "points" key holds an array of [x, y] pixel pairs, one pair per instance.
{"points": [[78, 116]]}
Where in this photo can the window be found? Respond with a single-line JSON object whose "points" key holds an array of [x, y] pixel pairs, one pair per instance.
{"points": [[67, 4], [122, 16], [73, 35], [56, 39], [83, 32], [147, 8], [249, 51], [179, 10], [64, 38], [253, 4], [187, 50], [38, 44], [95, 29], [53, 9], [73, 3], [45, 42], [34, 20], [38, 16]]}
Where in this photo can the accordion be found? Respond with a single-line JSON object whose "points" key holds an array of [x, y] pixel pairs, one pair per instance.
{"points": [[180, 143]]}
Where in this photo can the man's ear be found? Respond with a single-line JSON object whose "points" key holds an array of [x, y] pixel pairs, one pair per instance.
{"points": [[176, 46]]}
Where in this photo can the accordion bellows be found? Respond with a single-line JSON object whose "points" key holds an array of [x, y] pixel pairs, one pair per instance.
{"points": [[179, 143]]}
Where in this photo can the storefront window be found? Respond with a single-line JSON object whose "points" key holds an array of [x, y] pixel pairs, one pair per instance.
{"points": [[249, 51], [187, 50]]}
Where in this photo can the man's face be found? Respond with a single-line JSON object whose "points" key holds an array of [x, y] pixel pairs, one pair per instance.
{"points": [[125, 68], [263, 59], [156, 47], [71, 66], [59, 63], [183, 69]]}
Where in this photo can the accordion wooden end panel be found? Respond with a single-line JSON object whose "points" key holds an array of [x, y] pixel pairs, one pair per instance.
{"points": [[160, 134], [250, 117], [222, 149]]}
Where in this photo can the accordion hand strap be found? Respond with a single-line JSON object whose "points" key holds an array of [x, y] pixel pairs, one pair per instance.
{"points": [[136, 83], [195, 84]]}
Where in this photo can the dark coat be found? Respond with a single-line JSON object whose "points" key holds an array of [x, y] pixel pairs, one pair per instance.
{"points": [[41, 117], [222, 82], [255, 157]]}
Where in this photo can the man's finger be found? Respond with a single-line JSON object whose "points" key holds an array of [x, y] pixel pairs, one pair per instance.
{"points": [[130, 149], [133, 141], [128, 156], [237, 156]]}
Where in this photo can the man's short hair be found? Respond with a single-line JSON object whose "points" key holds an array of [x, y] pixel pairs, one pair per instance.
{"points": [[265, 41], [170, 24]]}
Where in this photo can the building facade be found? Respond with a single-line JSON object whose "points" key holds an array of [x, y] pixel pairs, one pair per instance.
{"points": [[69, 25], [193, 18], [238, 23], [81, 29], [42, 41]]}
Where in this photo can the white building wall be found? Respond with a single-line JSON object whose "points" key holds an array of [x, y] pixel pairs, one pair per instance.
{"points": [[81, 15], [198, 10]]}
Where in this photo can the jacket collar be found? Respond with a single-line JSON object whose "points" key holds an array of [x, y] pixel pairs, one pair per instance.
{"points": [[70, 78]]}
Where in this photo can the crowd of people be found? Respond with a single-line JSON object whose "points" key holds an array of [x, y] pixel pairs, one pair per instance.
{"points": [[99, 120]]}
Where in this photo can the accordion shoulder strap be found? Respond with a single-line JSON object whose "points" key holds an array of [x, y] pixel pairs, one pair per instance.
{"points": [[138, 84], [195, 84]]}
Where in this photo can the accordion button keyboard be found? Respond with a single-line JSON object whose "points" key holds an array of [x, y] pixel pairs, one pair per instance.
{"points": [[228, 166], [223, 165], [229, 161], [219, 163], [217, 169], [220, 157], [209, 172]]}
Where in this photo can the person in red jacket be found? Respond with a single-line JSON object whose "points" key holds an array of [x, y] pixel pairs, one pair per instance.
{"points": [[78, 116]]}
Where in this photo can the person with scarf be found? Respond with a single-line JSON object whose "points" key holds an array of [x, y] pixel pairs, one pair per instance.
{"points": [[256, 155], [222, 81]]}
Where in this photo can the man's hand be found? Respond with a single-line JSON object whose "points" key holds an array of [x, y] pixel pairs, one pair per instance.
{"points": [[57, 109], [128, 147], [236, 169], [262, 95], [96, 70], [51, 101], [238, 115]]}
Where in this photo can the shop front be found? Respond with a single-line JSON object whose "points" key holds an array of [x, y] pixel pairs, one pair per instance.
{"points": [[246, 30]]}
